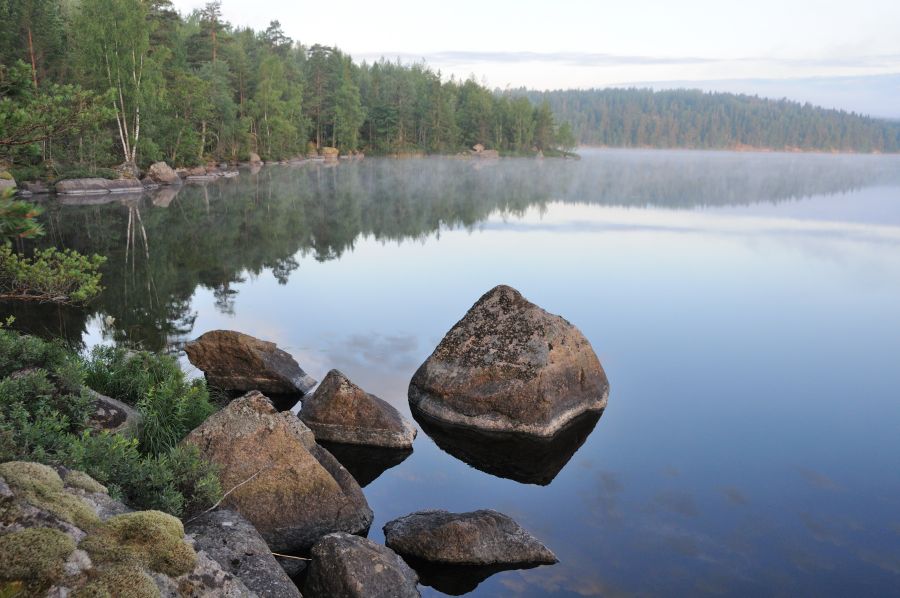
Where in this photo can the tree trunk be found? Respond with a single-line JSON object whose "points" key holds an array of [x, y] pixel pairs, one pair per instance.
{"points": [[33, 62]]}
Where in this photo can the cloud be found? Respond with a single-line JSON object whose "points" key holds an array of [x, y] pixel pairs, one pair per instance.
{"points": [[602, 59], [586, 59]]}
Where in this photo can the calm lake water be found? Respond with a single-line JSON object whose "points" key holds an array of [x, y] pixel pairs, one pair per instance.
{"points": [[746, 308]]}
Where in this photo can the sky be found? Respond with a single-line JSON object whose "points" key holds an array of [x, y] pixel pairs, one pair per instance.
{"points": [[837, 54]]}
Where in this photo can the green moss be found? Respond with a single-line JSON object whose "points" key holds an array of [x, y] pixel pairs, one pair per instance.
{"points": [[121, 581], [34, 556], [42, 487], [78, 479], [6, 176], [149, 539]]}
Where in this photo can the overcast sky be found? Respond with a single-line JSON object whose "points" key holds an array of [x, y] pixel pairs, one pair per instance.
{"points": [[584, 43]]}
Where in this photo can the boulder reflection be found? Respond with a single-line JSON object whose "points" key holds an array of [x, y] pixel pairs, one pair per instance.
{"points": [[366, 463], [525, 459], [456, 580]]}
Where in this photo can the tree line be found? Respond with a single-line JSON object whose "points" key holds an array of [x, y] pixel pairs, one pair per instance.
{"points": [[696, 119], [102, 82]]}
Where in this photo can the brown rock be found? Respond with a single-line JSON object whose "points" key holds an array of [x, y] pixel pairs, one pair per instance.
{"points": [[510, 366], [162, 173], [340, 411], [292, 490], [236, 361], [255, 159]]}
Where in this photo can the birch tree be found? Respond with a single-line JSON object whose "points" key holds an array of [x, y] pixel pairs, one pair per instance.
{"points": [[113, 39]]}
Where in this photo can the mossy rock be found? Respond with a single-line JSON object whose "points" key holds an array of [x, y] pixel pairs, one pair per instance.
{"points": [[6, 176], [42, 487], [149, 539], [34, 557], [121, 581], [82, 481]]}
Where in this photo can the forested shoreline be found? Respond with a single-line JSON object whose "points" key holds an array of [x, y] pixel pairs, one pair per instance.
{"points": [[105, 82], [689, 118], [90, 84]]}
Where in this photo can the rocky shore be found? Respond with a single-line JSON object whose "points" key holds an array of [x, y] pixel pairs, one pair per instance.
{"points": [[292, 516]]}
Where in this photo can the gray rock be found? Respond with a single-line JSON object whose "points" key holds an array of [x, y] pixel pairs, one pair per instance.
{"points": [[76, 520], [6, 182], [239, 362], [97, 186], [353, 567], [254, 158], [163, 174], [483, 537], [112, 415], [340, 411], [510, 366], [291, 489], [234, 543]]}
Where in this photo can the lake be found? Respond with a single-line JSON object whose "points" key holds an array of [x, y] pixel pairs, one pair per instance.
{"points": [[745, 307]]}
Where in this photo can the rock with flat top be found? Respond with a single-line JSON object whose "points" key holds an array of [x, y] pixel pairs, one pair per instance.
{"points": [[239, 362], [509, 366], [483, 537], [340, 411]]}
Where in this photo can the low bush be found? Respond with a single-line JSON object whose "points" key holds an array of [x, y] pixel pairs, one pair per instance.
{"points": [[49, 276], [83, 172], [44, 412]]}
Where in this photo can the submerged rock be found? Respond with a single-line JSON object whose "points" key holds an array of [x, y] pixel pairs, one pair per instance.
{"points": [[510, 366], [521, 457], [352, 567], [483, 537], [239, 362], [340, 411], [237, 547], [291, 489], [60, 536]]}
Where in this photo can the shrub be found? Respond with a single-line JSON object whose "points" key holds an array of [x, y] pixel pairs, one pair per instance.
{"points": [[170, 405], [49, 276], [18, 219], [44, 410]]}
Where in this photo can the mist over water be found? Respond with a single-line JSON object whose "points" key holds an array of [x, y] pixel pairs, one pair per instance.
{"points": [[744, 307]]}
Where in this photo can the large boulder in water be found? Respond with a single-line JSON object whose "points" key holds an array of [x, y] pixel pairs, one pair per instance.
{"points": [[291, 489], [353, 567], [239, 362], [510, 366], [237, 547], [483, 537], [340, 411]]}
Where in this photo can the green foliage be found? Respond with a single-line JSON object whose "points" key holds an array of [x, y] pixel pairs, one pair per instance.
{"points": [[50, 275], [18, 219], [44, 413], [84, 172], [695, 119]]}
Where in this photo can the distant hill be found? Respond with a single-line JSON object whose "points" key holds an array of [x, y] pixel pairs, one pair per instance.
{"points": [[696, 119]]}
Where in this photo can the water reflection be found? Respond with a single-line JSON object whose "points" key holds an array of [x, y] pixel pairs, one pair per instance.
{"points": [[366, 463], [525, 459], [164, 246], [456, 580]]}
